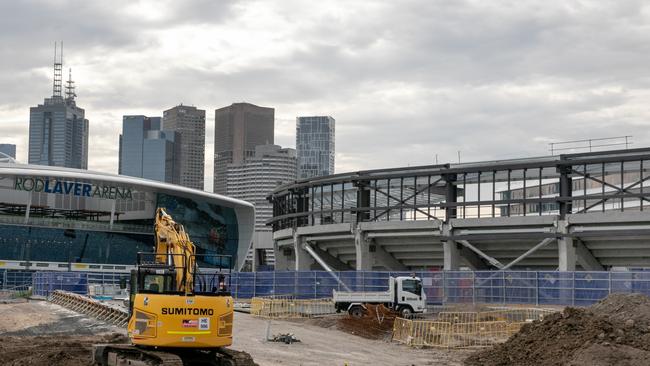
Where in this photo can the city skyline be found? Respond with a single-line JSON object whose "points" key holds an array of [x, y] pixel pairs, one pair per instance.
{"points": [[437, 78]]}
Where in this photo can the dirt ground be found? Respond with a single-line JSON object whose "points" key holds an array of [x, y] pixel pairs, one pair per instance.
{"points": [[39, 333], [613, 332], [321, 345]]}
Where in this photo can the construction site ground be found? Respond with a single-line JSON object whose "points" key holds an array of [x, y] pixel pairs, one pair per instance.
{"points": [[40, 333]]}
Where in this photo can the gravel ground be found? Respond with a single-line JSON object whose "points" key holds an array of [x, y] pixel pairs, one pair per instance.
{"points": [[49, 332], [328, 346]]}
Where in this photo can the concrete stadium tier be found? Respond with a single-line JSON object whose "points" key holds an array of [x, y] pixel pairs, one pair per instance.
{"points": [[575, 211]]}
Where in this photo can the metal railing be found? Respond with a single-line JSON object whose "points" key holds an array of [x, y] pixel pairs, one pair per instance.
{"points": [[465, 329]]}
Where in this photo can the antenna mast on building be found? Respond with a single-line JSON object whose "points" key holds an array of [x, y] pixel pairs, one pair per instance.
{"points": [[69, 87], [58, 72]]}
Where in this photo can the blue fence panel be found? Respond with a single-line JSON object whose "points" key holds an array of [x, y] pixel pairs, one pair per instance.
{"points": [[306, 285], [489, 287], [590, 287], [459, 287], [641, 283], [352, 279], [520, 287], [325, 283], [433, 285], [44, 283], [246, 285], [264, 283], [621, 282], [375, 281], [285, 283], [555, 288]]}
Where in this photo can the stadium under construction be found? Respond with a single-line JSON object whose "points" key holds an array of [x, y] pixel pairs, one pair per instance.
{"points": [[586, 211]]}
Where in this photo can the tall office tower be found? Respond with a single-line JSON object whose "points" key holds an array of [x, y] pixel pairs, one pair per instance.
{"points": [[147, 151], [189, 123], [8, 149], [238, 129], [315, 146], [58, 131], [253, 180]]}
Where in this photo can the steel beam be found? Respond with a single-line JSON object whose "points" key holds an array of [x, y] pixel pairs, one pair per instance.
{"points": [[586, 259], [474, 262], [476, 250], [387, 260], [529, 252]]}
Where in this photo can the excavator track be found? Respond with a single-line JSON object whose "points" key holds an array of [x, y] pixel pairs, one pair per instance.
{"points": [[125, 354]]}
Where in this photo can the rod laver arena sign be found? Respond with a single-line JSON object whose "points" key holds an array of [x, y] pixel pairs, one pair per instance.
{"points": [[74, 188]]}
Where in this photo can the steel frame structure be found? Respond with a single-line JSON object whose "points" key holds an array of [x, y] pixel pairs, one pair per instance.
{"points": [[556, 185]]}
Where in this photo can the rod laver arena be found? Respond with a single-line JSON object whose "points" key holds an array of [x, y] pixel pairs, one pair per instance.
{"points": [[74, 188], [54, 218]]}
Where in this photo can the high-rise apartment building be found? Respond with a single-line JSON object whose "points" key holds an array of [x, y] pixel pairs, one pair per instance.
{"points": [[8, 149], [253, 180], [239, 128], [58, 129], [315, 146], [189, 123], [147, 151]]}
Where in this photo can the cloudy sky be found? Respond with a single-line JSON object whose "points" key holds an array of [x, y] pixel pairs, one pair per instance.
{"points": [[406, 80]]}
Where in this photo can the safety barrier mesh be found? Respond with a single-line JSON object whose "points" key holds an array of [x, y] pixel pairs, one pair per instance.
{"points": [[465, 329], [275, 308]]}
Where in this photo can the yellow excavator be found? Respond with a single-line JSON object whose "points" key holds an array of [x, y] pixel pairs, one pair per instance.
{"points": [[181, 312]]}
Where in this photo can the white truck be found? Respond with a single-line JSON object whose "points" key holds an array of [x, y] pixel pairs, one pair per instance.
{"points": [[405, 295]]}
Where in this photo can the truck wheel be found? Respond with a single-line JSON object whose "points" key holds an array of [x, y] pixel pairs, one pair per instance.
{"points": [[406, 312], [356, 312]]}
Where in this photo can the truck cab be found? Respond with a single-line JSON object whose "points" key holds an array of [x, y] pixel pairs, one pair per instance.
{"points": [[410, 296]]}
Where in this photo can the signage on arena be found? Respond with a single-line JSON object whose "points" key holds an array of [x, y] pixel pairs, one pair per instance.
{"points": [[80, 189]]}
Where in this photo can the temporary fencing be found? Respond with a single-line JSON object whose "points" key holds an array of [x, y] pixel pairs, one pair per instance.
{"points": [[441, 287], [45, 283], [90, 307], [465, 329], [537, 288], [286, 307]]}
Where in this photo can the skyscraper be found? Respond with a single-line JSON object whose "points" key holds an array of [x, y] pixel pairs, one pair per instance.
{"points": [[189, 123], [253, 180], [58, 131], [315, 146], [239, 128], [9, 149], [146, 151]]}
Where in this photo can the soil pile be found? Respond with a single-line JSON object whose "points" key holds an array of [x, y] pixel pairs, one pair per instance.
{"points": [[53, 351], [376, 323], [615, 331]]}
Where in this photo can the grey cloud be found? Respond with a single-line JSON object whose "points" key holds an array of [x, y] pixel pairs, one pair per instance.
{"points": [[405, 80]]}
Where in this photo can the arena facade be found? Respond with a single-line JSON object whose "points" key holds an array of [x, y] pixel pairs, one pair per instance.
{"points": [[54, 218]]}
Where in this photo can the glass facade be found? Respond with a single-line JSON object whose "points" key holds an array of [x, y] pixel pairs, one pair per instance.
{"points": [[71, 221], [58, 134], [315, 146], [147, 151]]}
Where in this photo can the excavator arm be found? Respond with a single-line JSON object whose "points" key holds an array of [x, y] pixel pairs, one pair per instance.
{"points": [[175, 249]]}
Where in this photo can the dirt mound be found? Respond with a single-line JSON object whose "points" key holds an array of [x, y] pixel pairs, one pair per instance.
{"points": [[624, 307], [52, 351], [377, 323], [613, 332]]}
